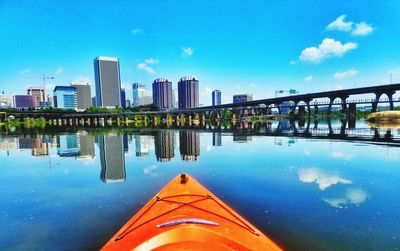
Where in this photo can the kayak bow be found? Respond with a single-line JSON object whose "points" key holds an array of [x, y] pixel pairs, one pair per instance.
{"points": [[184, 215]]}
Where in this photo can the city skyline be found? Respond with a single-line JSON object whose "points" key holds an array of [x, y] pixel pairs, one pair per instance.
{"points": [[296, 47]]}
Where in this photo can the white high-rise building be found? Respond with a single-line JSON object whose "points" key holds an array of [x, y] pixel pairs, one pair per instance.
{"points": [[108, 82]]}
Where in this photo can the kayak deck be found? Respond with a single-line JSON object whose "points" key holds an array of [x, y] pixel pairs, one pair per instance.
{"points": [[184, 215]]}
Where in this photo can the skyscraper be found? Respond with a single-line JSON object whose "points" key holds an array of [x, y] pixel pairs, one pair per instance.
{"points": [[65, 97], [123, 99], [138, 90], [37, 93], [216, 97], [83, 96], [108, 82], [162, 93], [188, 92]]}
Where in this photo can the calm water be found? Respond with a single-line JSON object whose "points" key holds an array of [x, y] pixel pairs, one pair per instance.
{"points": [[307, 190]]}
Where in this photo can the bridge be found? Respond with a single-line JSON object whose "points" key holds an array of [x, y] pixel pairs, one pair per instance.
{"points": [[307, 99], [258, 107]]}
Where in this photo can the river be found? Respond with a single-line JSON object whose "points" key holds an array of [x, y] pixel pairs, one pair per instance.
{"points": [[325, 187]]}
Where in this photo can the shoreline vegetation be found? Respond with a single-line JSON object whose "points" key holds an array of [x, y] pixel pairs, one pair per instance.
{"points": [[383, 118]]}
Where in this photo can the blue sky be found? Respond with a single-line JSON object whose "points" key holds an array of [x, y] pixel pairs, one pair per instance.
{"points": [[235, 46]]}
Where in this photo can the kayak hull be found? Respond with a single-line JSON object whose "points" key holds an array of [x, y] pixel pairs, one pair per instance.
{"points": [[184, 215]]}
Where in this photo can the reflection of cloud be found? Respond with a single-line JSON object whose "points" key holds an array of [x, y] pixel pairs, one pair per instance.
{"points": [[310, 175], [353, 196], [307, 152], [150, 171], [342, 155]]}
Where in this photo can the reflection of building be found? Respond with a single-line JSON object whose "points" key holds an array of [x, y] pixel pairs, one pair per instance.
{"points": [[25, 143], [164, 144], [216, 97], [37, 93], [241, 138], [239, 98], [189, 145], [67, 145], [188, 92], [217, 139], [143, 144], [83, 96], [40, 148], [8, 143], [65, 97], [112, 158], [125, 142], [162, 93], [86, 145], [108, 82]]}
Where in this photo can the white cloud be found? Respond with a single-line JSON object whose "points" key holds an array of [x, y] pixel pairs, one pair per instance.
{"points": [[59, 71], [24, 71], [136, 31], [340, 24], [82, 79], [328, 48], [292, 62], [353, 196], [346, 74], [146, 68], [151, 61], [187, 51], [308, 78], [311, 175], [362, 29], [145, 65]]}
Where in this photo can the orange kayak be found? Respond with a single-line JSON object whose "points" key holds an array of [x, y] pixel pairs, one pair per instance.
{"points": [[184, 215]]}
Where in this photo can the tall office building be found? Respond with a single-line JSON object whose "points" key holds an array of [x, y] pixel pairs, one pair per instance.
{"points": [[162, 94], [216, 97], [164, 144], [188, 92], [6, 101], [65, 97], [123, 99], [189, 145], [38, 93], [138, 90], [239, 98], [112, 158], [108, 82], [24, 101], [83, 96]]}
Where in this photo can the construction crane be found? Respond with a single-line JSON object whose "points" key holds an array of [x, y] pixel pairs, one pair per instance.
{"points": [[44, 77]]}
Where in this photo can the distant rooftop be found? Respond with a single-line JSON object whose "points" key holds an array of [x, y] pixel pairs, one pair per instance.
{"points": [[103, 58], [64, 88], [186, 78]]}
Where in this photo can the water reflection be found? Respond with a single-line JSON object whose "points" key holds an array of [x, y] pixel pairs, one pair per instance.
{"points": [[189, 145], [314, 178], [112, 158], [164, 144]]}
